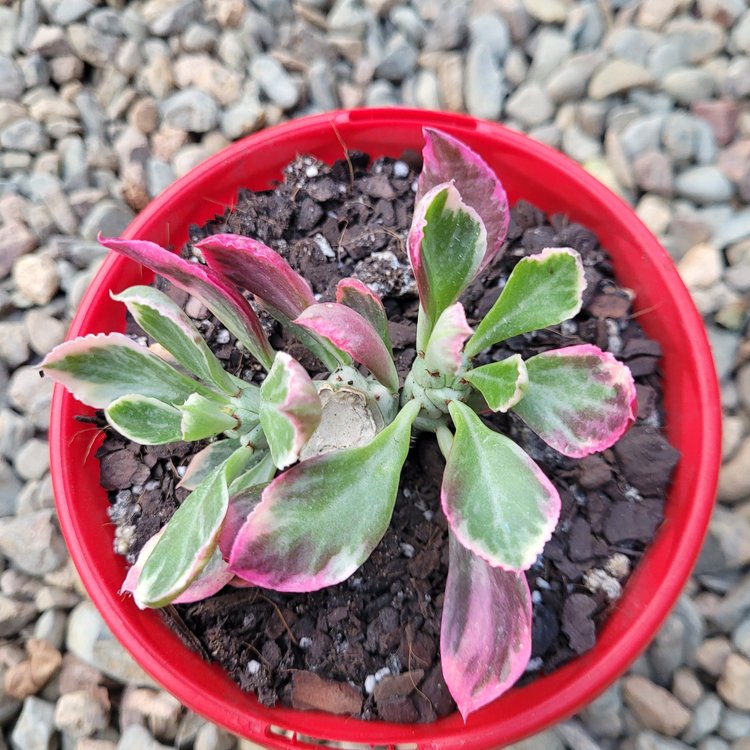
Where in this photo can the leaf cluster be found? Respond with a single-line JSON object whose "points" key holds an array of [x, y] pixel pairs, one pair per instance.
{"points": [[340, 443]]}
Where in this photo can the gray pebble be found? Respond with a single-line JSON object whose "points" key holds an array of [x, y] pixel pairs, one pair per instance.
{"points": [[91, 641], [10, 486], [33, 542], [167, 17], [24, 135], [274, 81], [642, 134], [380, 94], [484, 86], [35, 725], [32, 459], [700, 38], [64, 12], [12, 82], [705, 718], [191, 109], [14, 345], [706, 184], [734, 724], [688, 85], [159, 176], [92, 46], [569, 81], [492, 30], [51, 627], [399, 59], [108, 217]]}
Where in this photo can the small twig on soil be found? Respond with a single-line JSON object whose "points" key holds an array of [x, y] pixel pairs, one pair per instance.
{"points": [[258, 654], [345, 150], [638, 314], [281, 617]]}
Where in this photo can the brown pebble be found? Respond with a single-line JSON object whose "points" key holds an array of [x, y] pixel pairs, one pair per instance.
{"points": [[310, 692]]}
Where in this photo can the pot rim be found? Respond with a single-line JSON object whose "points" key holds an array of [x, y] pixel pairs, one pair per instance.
{"points": [[522, 711]]}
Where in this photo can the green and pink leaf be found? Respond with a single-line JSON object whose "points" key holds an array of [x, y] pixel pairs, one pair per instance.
{"points": [[446, 244], [204, 418], [262, 271], [167, 324], [100, 368], [485, 632], [223, 299], [502, 384], [290, 409], [542, 290], [320, 520], [206, 461], [580, 400], [214, 577], [446, 158], [190, 537], [444, 352], [145, 420], [497, 501], [353, 293], [346, 329]]}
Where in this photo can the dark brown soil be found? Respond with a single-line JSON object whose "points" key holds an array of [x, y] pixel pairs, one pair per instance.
{"points": [[370, 646]]}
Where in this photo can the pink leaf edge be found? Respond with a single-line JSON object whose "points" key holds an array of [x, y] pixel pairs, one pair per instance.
{"points": [[446, 343], [444, 158], [454, 202], [353, 334], [485, 633], [616, 374], [301, 403], [212, 579], [223, 299], [262, 271], [358, 287]]}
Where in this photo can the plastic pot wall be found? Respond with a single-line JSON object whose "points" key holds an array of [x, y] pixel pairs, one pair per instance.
{"points": [[528, 170]]}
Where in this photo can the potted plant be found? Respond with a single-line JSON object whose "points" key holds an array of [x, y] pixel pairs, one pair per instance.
{"points": [[550, 186]]}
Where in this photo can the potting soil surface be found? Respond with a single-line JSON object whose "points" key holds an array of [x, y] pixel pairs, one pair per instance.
{"points": [[370, 645]]}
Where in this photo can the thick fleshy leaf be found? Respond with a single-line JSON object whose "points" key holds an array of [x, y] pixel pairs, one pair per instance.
{"points": [[145, 420], [320, 520], [189, 538], [580, 399], [214, 577], [542, 290], [444, 353], [167, 324], [485, 632], [187, 544], [206, 461], [357, 295], [262, 271], [289, 409], [223, 299], [349, 331], [241, 505], [202, 418], [97, 369], [445, 158], [262, 471], [446, 244], [498, 502], [503, 384]]}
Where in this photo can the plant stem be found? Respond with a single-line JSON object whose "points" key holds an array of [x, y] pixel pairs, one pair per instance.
{"points": [[445, 440]]}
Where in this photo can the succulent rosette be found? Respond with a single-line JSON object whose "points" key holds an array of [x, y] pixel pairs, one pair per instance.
{"points": [[293, 496]]}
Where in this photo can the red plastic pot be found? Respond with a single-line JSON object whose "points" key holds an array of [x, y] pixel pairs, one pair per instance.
{"points": [[528, 170]]}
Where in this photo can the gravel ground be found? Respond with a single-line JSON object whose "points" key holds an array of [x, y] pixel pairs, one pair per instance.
{"points": [[103, 104]]}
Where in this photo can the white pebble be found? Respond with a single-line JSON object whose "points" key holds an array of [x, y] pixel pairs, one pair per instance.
{"points": [[253, 666]]}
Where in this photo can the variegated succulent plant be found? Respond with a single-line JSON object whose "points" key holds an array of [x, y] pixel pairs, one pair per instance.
{"points": [[341, 442]]}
